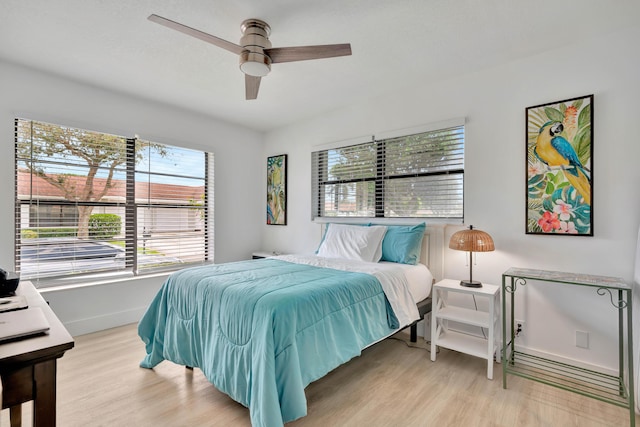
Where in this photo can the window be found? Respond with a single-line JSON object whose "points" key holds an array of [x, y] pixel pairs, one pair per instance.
{"points": [[415, 175], [88, 202]]}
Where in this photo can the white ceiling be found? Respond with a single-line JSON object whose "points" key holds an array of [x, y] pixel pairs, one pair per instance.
{"points": [[395, 43]]}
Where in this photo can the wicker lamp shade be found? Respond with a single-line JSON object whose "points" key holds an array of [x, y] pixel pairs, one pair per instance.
{"points": [[471, 240]]}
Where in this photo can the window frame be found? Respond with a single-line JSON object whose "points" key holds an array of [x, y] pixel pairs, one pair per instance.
{"points": [[130, 206], [380, 142]]}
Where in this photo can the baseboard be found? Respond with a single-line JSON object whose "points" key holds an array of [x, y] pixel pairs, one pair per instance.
{"points": [[567, 360], [531, 351], [107, 321]]}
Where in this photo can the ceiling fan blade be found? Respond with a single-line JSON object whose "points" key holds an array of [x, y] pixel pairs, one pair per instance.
{"points": [[303, 53], [231, 47], [251, 84]]}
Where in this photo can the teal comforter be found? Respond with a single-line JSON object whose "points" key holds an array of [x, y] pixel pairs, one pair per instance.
{"points": [[262, 330]]}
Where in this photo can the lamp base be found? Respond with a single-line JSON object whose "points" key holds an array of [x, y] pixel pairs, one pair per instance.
{"points": [[470, 284]]}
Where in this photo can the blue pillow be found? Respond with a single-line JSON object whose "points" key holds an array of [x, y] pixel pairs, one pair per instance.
{"points": [[403, 243]]}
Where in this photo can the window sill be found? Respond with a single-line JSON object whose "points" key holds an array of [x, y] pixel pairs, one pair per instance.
{"points": [[431, 222], [45, 286]]}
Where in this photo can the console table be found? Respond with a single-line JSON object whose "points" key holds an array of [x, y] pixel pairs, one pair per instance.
{"points": [[28, 366], [597, 385]]}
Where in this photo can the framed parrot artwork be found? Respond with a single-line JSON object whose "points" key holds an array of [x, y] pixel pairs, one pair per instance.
{"points": [[559, 137], [277, 190]]}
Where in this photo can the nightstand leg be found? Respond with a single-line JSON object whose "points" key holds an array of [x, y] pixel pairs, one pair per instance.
{"points": [[497, 325], [491, 338], [434, 321]]}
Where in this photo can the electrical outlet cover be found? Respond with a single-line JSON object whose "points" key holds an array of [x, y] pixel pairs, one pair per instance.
{"points": [[582, 339]]}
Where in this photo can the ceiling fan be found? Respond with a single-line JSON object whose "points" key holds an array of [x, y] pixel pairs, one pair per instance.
{"points": [[255, 51]]}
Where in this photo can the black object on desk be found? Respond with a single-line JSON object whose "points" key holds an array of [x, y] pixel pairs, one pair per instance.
{"points": [[8, 283]]}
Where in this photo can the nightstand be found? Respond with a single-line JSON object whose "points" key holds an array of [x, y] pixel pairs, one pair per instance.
{"points": [[442, 312]]}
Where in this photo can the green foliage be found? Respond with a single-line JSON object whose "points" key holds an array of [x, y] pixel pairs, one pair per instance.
{"points": [[582, 141], [45, 232], [104, 226], [42, 147], [582, 144], [29, 234], [580, 211], [554, 114], [578, 103], [536, 186]]}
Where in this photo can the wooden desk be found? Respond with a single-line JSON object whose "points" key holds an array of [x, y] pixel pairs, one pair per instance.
{"points": [[28, 366]]}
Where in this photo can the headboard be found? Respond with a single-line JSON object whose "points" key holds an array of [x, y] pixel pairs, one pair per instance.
{"points": [[432, 252]]}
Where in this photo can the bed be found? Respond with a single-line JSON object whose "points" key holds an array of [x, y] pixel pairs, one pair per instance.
{"points": [[262, 330]]}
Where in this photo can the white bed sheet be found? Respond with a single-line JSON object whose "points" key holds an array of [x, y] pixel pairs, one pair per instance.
{"points": [[404, 285], [419, 277]]}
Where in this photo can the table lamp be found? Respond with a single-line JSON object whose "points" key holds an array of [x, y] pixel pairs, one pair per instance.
{"points": [[471, 240]]}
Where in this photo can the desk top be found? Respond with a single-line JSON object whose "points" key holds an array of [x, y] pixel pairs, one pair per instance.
{"points": [[568, 278], [26, 350]]}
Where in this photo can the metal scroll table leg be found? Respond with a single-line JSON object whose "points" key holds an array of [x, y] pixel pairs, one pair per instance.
{"points": [[504, 337], [632, 400]]}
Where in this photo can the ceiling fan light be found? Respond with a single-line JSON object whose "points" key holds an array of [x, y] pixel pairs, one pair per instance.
{"points": [[254, 63], [256, 69]]}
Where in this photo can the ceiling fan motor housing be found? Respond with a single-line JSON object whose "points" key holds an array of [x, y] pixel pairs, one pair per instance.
{"points": [[255, 38]]}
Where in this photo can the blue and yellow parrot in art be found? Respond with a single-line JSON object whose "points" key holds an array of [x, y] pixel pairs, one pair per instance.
{"points": [[554, 150]]}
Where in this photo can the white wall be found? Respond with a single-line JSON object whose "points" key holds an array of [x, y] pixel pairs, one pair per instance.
{"points": [[35, 95], [493, 102]]}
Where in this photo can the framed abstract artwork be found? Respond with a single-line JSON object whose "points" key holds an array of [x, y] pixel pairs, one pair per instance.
{"points": [[559, 138], [277, 190]]}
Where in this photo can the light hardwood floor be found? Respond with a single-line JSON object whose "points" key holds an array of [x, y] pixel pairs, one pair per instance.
{"points": [[391, 384]]}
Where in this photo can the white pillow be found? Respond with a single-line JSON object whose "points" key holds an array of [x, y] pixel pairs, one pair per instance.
{"points": [[353, 242]]}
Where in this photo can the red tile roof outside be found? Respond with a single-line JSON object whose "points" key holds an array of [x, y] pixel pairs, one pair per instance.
{"points": [[41, 189]]}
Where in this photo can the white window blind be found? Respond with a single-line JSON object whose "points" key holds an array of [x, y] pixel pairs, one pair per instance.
{"points": [[417, 175], [170, 194], [93, 203]]}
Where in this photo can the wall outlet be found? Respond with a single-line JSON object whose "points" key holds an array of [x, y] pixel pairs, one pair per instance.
{"points": [[519, 328], [582, 339]]}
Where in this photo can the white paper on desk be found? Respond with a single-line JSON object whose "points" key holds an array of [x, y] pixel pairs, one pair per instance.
{"points": [[13, 303], [22, 323]]}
